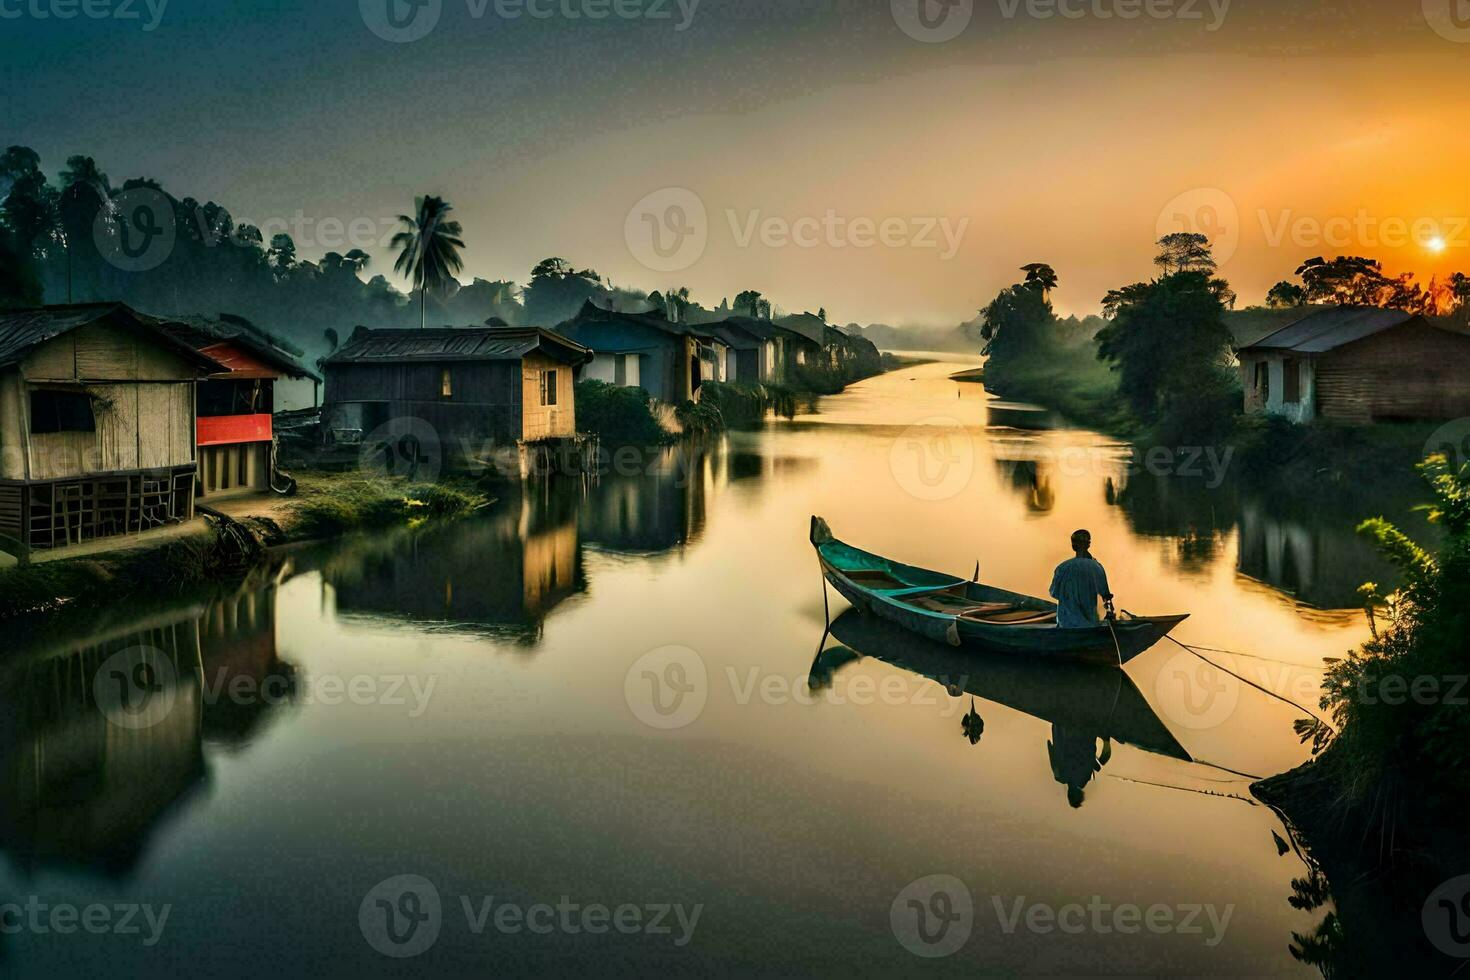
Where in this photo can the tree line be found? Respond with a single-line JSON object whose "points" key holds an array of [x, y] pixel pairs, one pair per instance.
{"points": [[84, 238]]}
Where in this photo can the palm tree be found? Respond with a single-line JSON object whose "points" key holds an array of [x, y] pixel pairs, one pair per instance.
{"points": [[430, 245]]}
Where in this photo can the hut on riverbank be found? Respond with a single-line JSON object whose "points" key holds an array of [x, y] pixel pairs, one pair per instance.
{"points": [[1358, 365], [474, 391], [236, 406], [97, 419]]}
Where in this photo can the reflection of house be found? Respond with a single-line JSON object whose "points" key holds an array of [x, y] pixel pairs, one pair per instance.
{"points": [[500, 386], [651, 511], [237, 637], [96, 425], [1315, 558], [644, 350], [1360, 365], [235, 406], [76, 787], [506, 572]]}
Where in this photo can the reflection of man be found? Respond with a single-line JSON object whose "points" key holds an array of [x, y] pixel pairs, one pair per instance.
{"points": [[1075, 759], [1077, 585]]}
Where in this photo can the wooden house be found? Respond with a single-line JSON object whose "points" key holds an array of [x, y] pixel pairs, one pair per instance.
{"points": [[96, 425], [644, 350], [477, 387], [235, 406], [1358, 365], [753, 349], [806, 337]]}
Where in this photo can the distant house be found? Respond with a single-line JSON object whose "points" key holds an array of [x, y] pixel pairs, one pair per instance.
{"points": [[753, 348], [235, 406], [644, 350], [96, 425], [806, 336], [1359, 365], [475, 387]]}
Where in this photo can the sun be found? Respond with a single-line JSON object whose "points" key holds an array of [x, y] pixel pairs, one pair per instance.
{"points": [[1435, 245]]}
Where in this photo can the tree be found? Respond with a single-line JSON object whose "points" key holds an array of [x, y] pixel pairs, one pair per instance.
{"points": [[1168, 342], [29, 208], [85, 192], [428, 245], [19, 287], [282, 255], [1015, 326], [752, 304], [1042, 275], [1347, 279], [1184, 251], [557, 291], [1286, 294]]}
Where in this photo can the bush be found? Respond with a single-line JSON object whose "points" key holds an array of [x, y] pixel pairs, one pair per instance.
{"points": [[1419, 632], [618, 415]]}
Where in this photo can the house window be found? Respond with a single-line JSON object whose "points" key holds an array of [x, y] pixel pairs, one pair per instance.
{"points": [[61, 411], [1263, 380], [1292, 392], [548, 388], [446, 384]]}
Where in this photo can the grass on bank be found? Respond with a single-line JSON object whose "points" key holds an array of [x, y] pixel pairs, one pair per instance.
{"points": [[333, 504]]}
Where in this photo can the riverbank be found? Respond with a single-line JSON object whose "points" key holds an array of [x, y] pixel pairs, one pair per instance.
{"points": [[225, 544], [1268, 453]]}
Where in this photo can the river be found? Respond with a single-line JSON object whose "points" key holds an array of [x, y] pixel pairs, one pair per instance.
{"points": [[594, 730]]}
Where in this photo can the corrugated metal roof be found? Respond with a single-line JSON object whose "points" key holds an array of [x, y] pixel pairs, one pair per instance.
{"points": [[21, 331], [1329, 329], [455, 344]]}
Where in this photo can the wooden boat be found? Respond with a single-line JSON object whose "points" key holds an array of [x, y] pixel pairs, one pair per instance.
{"points": [[1099, 700], [948, 609]]}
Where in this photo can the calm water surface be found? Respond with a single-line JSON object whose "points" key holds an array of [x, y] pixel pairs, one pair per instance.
{"points": [[613, 696]]}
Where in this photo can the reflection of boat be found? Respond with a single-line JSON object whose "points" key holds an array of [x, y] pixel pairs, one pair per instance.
{"points": [[1098, 701], [950, 610]]}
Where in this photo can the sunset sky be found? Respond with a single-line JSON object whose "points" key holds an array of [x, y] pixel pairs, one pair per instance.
{"points": [[1071, 140]]}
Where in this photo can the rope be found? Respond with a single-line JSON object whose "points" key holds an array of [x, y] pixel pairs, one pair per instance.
{"points": [[1244, 680], [1266, 691]]}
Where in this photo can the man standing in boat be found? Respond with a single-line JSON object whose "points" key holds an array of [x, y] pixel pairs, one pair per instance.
{"points": [[1077, 585]]}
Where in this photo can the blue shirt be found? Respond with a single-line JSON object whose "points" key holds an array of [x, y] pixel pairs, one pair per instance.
{"points": [[1076, 587]]}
